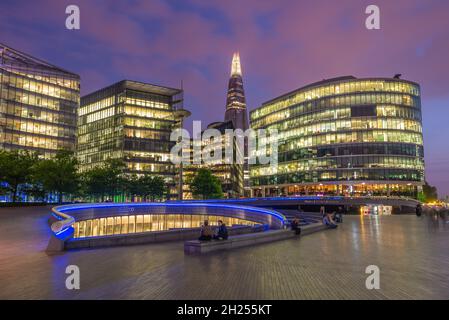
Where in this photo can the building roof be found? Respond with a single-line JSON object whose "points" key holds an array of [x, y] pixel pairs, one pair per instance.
{"points": [[236, 67], [152, 88], [13, 57], [328, 81], [138, 86]]}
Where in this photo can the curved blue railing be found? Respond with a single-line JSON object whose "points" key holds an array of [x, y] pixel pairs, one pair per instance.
{"points": [[65, 221]]}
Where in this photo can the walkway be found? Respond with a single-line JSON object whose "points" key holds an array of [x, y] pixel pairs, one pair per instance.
{"points": [[411, 253]]}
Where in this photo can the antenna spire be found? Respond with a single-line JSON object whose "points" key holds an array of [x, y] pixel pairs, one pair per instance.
{"points": [[236, 68]]}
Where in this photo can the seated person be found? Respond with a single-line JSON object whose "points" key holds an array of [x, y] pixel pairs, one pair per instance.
{"points": [[329, 221], [295, 226], [222, 231], [206, 232], [338, 217]]}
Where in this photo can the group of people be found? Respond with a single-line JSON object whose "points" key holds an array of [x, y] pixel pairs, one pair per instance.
{"points": [[331, 219], [207, 233]]}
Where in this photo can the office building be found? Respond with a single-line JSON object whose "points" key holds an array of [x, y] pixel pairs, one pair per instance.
{"points": [[344, 136], [132, 121], [38, 104]]}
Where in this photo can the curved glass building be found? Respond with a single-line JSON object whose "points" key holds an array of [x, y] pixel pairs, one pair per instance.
{"points": [[344, 136]]}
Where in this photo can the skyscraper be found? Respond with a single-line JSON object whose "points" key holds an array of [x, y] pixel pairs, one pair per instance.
{"points": [[235, 101], [236, 110], [231, 175]]}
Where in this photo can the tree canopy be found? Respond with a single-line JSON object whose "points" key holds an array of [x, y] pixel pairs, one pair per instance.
{"points": [[58, 175], [430, 192], [106, 180], [147, 186], [205, 185], [16, 168]]}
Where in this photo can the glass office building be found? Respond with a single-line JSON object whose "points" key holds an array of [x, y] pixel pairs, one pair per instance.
{"points": [[38, 104], [344, 136], [132, 121], [230, 173]]}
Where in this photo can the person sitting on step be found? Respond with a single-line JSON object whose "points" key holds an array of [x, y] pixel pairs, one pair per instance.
{"points": [[206, 232], [329, 221], [222, 231], [295, 226]]}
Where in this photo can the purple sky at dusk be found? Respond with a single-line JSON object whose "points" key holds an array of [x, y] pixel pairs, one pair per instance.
{"points": [[283, 45]]}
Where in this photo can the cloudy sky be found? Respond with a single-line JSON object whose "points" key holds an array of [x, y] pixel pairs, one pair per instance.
{"points": [[283, 45]]}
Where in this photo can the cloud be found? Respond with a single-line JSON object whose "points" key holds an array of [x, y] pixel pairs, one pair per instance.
{"points": [[282, 45]]}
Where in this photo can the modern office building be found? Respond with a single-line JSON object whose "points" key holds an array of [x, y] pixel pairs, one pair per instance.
{"points": [[132, 121], [344, 136], [231, 175], [38, 104]]}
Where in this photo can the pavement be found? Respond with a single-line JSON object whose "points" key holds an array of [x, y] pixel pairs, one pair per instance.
{"points": [[411, 253]]}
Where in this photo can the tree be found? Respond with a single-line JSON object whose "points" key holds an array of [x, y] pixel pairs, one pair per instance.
{"points": [[115, 179], [93, 183], [146, 186], [430, 192], [132, 186], [16, 168], [154, 187], [206, 185], [58, 175], [105, 180]]}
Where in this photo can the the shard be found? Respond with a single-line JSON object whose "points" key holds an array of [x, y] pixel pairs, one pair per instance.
{"points": [[235, 101]]}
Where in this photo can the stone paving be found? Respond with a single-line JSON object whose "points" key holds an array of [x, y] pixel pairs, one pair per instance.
{"points": [[412, 254]]}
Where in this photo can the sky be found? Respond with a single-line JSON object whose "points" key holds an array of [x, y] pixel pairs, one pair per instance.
{"points": [[283, 45]]}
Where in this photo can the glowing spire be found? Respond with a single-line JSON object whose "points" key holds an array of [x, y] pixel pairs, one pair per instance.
{"points": [[236, 69]]}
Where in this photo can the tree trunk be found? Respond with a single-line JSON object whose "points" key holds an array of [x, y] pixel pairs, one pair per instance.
{"points": [[14, 195], [60, 197]]}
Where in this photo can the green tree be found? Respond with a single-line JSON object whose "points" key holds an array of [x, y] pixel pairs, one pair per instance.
{"points": [[430, 192], [154, 187], [205, 185], [105, 180], [16, 168], [146, 186], [93, 183], [132, 186], [58, 175]]}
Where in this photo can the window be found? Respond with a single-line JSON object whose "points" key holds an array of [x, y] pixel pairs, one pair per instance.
{"points": [[363, 111]]}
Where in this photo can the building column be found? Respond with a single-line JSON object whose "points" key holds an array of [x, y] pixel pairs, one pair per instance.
{"points": [[388, 190]]}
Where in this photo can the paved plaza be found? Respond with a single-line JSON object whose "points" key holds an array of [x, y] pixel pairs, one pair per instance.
{"points": [[412, 254]]}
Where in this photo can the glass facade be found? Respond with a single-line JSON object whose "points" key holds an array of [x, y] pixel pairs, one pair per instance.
{"points": [[38, 104], [344, 136], [131, 121], [230, 173], [148, 223]]}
